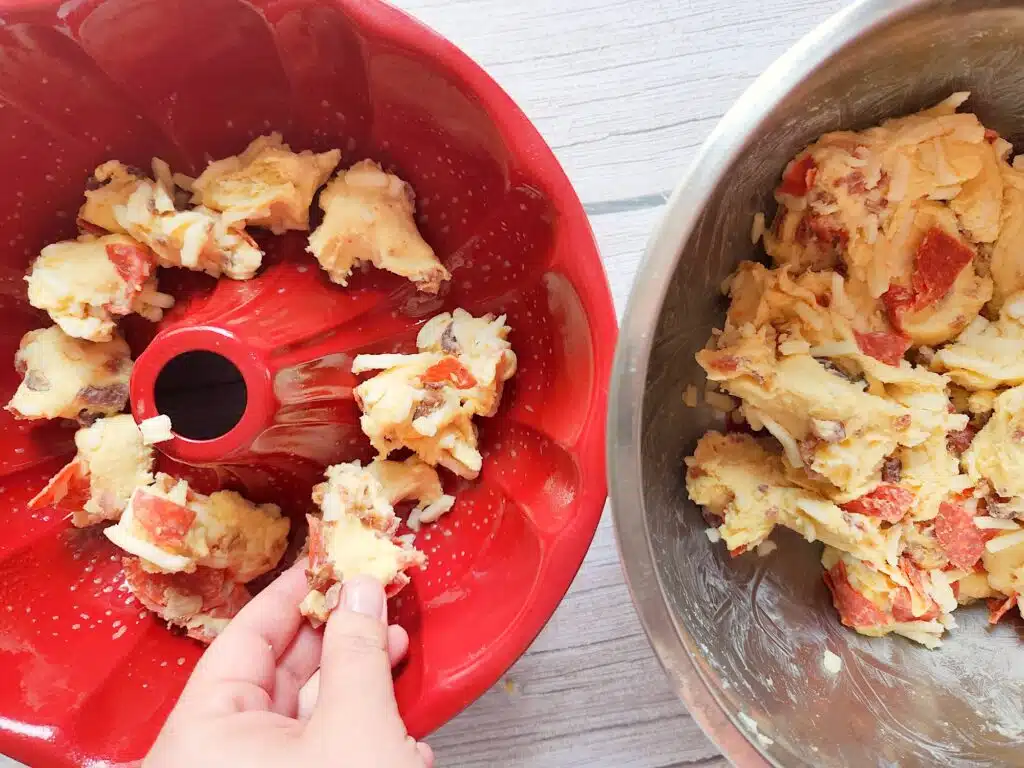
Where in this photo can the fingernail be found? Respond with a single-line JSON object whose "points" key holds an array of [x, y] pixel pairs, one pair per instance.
{"points": [[363, 595]]}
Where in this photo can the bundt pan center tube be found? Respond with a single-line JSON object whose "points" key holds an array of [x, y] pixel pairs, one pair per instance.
{"points": [[217, 390]]}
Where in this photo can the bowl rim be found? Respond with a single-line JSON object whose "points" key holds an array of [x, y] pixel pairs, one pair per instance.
{"points": [[672, 643]]}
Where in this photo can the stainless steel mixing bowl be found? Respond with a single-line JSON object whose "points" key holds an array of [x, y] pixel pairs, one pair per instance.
{"points": [[743, 639]]}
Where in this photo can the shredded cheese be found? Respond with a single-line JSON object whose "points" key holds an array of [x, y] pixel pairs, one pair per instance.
{"points": [[757, 230], [156, 430], [720, 402], [789, 445], [835, 349], [999, 543], [690, 396], [994, 523]]}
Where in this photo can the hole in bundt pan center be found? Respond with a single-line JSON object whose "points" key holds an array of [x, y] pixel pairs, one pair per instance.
{"points": [[202, 392]]}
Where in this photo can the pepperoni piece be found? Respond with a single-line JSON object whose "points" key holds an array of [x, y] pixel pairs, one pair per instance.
{"points": [[165, 522], [799, 176], [220, 598], [235, 599], [902, 606], [939, 260], [958, 536], [320, 573], [892, 470], [888, 348], [149, 588], [991, 136], [826, 230], [854, 182], [315, 543], [997, 608], [724, 363], [111, 396], [67, 491], [449, 371], [887, 502], [134, 263], [211, 584], [987, 536], [897, 301], [959, 440], [90, 229], [912, 573], [854, 609]]}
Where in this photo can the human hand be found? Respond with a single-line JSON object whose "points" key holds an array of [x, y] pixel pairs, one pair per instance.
{"points": [[248, 704]]}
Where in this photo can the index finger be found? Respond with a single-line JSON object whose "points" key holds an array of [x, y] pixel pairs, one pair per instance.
{"points": [[244, 656]]}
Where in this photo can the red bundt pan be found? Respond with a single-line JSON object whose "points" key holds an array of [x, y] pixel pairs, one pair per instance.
{"points": [[86, 677]]}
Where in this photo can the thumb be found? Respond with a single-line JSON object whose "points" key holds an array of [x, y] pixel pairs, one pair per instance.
{"points": [[356, 700]]}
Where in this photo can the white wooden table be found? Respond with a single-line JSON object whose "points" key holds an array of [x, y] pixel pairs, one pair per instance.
{"points": [[624, 91]]}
